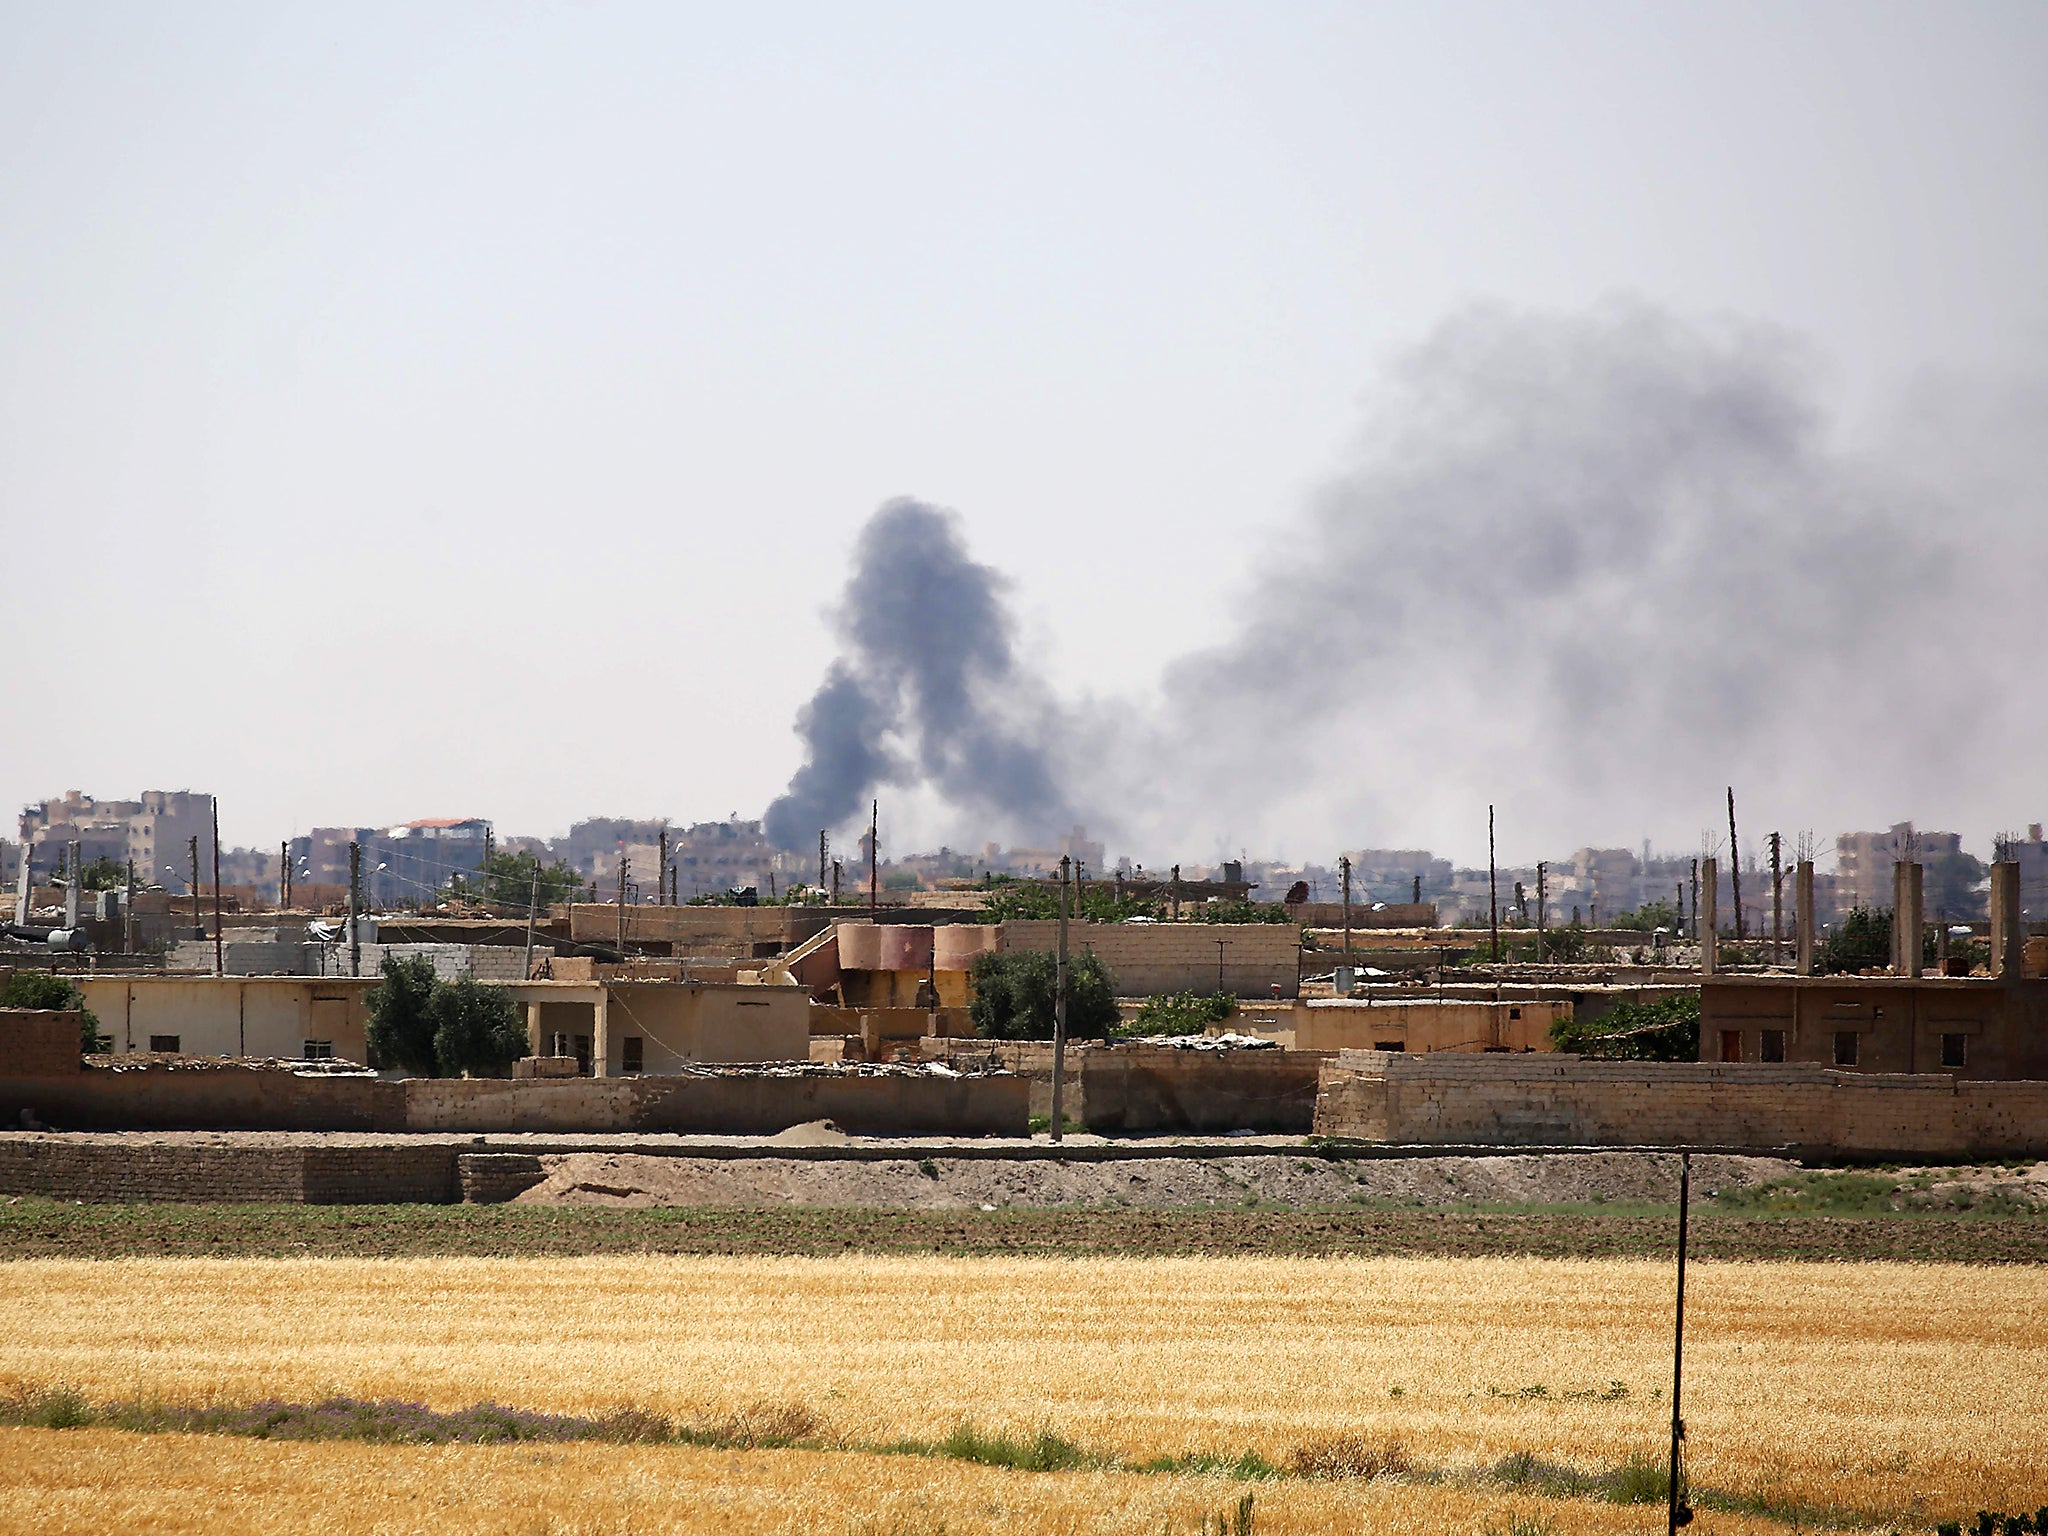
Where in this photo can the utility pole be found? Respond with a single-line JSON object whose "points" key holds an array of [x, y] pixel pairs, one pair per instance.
{"points": [[874, 857], [1542, 891], [1695, 901], [622, 907], [128, 914], [835, 882], [532, 904], [1344, 868], [1176, 893], [1680, 1513], [1492, 888], [284, 876], [1416, 896], [1777, 900], [821, 858], [1734, 862], [1059, 1018], [484, 874], [198, 922], [219, 966], [661, 869], [355, 908]]}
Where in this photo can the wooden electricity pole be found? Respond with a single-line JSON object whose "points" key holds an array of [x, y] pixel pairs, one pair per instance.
{"points": [[1542, 891], [219, 967], [1695, 901], [1777, 899], [1734, 863], [622, 907], [661, 868], [1680, 1513], [874, 857], [1059, 1016], [1344, 868], [355, 908], [198, 923], [821, 858], [128, 914], [1492, 888], [532, 904]]}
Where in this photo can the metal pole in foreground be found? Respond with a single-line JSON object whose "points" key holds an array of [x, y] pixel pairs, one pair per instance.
{"points": [[1680, 1511], [532, 903], [1059, 1018]]}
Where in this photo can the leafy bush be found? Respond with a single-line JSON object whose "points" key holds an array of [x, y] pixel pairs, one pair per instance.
{"points": [[422, 1025], [1667, 1030], [1181, 1013], [400, 1029], [1012, 899], [478, 1030], [1014, 995], [1863, 942], [1649, 916], [1246, 911], [46, 990]]}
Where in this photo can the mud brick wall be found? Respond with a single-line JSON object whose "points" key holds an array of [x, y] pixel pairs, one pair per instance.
{"points": [[735, 1104], [1131, 1089], [38, 1042], [140, 1171], [1147, 959], [161, 1097], [1560, 1100]]}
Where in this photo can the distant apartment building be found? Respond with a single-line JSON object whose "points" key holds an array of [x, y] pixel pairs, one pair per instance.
{"points": [[1076, 845], [402, 866], [154, 831], [2031, 854], [1952, 880], [1390, 874]]}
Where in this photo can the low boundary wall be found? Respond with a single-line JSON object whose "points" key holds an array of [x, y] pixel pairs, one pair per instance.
{"points": [[162, 1096], [1136, 1089], [372, 1175], [726, 1104], [1559, 1100]]}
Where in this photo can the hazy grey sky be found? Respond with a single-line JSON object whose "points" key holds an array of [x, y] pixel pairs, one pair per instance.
{"points": [[443, 410]]}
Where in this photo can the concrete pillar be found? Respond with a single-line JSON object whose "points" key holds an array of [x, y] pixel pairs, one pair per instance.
{"points": [[535, 1046], [1710, 915], [2008, 934], [601, 1036], [1802, 899], [1908, 918]]}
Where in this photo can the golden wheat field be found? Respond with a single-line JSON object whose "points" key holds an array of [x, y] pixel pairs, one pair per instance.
{"points": [[1865, 1387]]}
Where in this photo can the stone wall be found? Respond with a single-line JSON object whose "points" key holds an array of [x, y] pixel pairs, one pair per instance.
{"points": [[1148, 959], [1557, 1100]]}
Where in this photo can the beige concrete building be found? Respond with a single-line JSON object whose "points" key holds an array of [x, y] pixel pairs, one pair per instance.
{"points": [[1425, 1024], [291, 1017], [648, 1028]]}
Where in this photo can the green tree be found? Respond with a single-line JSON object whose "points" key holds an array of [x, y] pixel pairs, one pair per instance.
{"points": [[506, 880], [1181, 1013], [103, 874], [46, 990], [400, 1029], [1863, 942], [1666, 1030], [479, 1031], [1014, 994], [1649, 916]]}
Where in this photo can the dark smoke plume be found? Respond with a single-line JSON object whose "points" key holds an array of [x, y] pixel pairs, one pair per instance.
{"points": [[1594, 567], [927, 689]]}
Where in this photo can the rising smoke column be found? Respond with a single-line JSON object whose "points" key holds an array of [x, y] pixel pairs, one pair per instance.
{"points": [[1598, 565], [927, 689]]}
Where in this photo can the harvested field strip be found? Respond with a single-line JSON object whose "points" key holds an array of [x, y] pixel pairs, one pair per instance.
{"points": [[1865, 1387], [86, 1482], [35, 1229], [1344, 1458]]}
